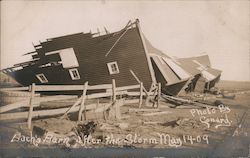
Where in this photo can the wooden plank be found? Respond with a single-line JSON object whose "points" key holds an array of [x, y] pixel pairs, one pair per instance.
{"points": [[15, 89], [117, 109], [71, 87], [177, 99], [156, 113], [150, 66], [36, 102], [78, 101], [58, 87], [24, 103], [137, 79], [186, 101], [105, 94], [113, 90], [128, 87], [31, 105], [116, 104], [150, 91], [141, 95], [82, 103], [159, 94], [116, 42], [98, 87], [99, 95]]}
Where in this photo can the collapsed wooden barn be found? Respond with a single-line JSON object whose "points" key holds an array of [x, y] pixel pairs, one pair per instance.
{"points": [[126, 56], [77, 58]]}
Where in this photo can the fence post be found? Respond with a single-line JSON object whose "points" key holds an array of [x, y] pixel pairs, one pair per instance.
{"points": [[32, 89], [141, 94], [116, 104], [113, 90], [83, 107], [159, 94], [149, 94]]}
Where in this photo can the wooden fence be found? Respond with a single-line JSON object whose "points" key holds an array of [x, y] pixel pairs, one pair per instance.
{"points": [[80, 104]]}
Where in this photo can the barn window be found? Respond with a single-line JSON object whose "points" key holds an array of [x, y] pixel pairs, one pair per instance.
{"points": [[113, 68], [42, 78], [74, 74]]}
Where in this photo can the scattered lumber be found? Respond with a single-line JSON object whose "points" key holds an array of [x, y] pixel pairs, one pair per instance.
{"points": [[186, 101]]}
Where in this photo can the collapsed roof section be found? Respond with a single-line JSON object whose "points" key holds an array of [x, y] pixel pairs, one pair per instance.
{"points": [[199, 65]]}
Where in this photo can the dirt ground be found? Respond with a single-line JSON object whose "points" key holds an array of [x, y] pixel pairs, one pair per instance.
{"points": [[223, 128]]}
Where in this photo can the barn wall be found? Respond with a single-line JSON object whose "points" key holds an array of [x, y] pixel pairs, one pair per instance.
{"points": [[128, 53]]}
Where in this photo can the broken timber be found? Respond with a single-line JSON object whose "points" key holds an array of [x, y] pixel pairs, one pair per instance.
{"points": [[185, 101]]}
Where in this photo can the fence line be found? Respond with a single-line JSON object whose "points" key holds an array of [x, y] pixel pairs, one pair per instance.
{"points": [[111, 91]]}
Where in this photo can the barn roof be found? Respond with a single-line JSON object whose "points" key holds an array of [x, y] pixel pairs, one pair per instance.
{"points": [[210, 74], [199, 65], [171, 71]]}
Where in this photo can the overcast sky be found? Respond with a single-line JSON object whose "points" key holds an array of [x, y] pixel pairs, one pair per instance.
{"points": [[217, 28]]}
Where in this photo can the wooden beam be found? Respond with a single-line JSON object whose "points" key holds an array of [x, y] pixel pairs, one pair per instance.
{"points": [[137, 79], [159, 94], [83, 107], [78, 101], [116, 104], [116, 42], [31, 105], [150, 91], [102, 86], [113, 90], [150, 66], [117, 109], [71, 87], [127, 87], [105, 94], [141, 95]]}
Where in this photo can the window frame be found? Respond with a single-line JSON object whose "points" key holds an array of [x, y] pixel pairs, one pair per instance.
{"points": [[110, 64], [38, 76], [71, 72]]}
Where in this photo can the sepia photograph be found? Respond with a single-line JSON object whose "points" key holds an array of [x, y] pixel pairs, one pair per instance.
{"points": [[113, 78]]}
